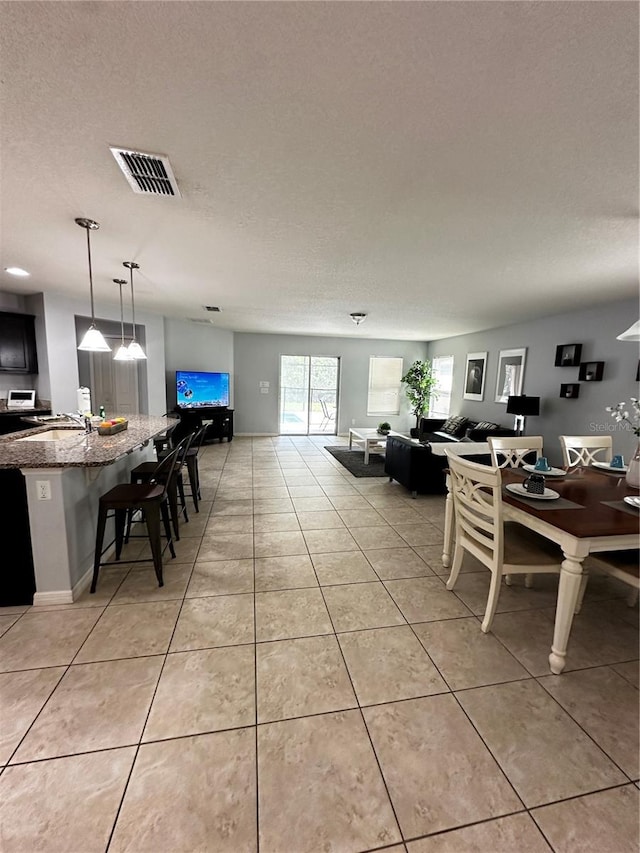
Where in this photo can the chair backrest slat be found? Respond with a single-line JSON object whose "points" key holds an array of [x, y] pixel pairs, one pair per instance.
{"points": [[585, 449], [511, 452]]}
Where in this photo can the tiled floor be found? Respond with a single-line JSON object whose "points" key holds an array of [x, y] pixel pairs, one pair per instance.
{"points": [[305, 682]]}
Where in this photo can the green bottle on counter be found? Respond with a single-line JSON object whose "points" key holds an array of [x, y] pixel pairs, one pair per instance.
{"points": [[102, 413]]}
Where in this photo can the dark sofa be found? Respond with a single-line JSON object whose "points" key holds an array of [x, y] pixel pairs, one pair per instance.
{"points": [[459, 428]]}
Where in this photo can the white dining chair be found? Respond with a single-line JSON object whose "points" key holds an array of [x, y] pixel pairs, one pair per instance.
{"points": [[503, 547], [623, 565], [585, 449], [512, 452]]}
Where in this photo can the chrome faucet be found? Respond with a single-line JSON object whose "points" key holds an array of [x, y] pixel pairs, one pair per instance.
{"points": [[82, 420]]}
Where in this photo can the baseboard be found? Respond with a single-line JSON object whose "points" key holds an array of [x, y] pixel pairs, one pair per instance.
{"points": [[257, 434], [68, 596]]}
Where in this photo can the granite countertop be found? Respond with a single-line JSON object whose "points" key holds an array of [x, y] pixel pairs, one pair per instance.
{"points": [[80, 450]]}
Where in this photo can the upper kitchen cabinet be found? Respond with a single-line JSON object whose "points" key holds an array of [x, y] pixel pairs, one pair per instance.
{"points": [[17, 343]]}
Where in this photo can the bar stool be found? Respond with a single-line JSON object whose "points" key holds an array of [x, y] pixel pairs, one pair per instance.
{"points": [[144, 472], [192, 465], [151, 499]]}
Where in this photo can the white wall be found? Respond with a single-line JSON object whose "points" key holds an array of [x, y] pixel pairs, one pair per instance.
{"points": [[190, 346], [596, 330], [257, 357]]}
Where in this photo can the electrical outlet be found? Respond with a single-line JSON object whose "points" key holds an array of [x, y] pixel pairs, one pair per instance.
{"points": [[353, 421], [43, 490]]}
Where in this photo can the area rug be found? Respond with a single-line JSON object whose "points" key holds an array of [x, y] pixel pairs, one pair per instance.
{"points": [[353, 461]]}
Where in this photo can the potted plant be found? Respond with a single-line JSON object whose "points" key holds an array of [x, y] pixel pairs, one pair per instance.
{"points": [[384, 428], [420, 383]]}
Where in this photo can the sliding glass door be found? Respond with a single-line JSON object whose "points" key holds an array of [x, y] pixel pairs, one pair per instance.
{"points": [[308, 395]]}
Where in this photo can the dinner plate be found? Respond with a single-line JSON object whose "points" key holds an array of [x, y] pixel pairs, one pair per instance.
{"points": [[606, 466], [518, 489], [552, 472], [632, 500]]}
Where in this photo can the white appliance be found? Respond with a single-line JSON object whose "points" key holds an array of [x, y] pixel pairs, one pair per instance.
{"points": [[21, 400], [84, 400]]}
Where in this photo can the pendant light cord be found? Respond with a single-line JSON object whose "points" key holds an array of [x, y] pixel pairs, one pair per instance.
{"points": [[93, 316], [121, 316]]}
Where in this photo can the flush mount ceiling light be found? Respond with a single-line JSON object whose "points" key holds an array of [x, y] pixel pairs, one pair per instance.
{"points": [[631, 334], [358, 317], [123, 353], [134, 348], [16, 271], [93, 340]]}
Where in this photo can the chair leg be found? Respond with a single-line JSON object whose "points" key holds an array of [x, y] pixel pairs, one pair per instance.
{"points": [[180, 484], [152, 516], [492, 601], [528, 581], [121, 522], [173, 508], [102, 523], [458, 554], [632, 597], [192, 468], [164, 512], [507, 580]]}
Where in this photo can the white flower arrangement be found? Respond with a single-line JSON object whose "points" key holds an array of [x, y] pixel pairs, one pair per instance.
{"points": [[620, 413]]}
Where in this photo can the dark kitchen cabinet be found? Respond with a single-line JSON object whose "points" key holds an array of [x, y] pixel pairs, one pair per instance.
{"points": [[17, 343], [17, 577]]}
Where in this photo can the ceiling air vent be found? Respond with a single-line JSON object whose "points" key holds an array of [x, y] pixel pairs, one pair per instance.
{"points": [[147, 174], [211, 308]]}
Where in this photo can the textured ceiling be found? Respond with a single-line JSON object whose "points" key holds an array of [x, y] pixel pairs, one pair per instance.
{"points": [[443, 167]]}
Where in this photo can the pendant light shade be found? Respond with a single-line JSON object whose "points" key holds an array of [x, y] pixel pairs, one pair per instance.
{"points": [[123, 353], [631, 334], [134, 348], [93, 341]]}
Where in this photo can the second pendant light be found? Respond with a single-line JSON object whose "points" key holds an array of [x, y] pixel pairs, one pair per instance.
{"points": [[134, 348]]}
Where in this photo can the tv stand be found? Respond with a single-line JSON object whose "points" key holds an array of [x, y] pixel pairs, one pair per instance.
{"points": [[219, 419]]}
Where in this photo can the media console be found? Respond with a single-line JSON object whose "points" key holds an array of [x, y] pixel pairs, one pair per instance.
{"points": [[219, 419]]}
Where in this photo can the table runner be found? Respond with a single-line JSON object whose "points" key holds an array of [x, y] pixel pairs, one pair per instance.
{"points": [[559, 503], [623, 506]]}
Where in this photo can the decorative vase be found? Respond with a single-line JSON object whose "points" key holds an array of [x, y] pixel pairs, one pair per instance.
{"points": [[633, 470]]}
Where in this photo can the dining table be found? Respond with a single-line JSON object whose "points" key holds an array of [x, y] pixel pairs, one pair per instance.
{"points": [[589, 516]]}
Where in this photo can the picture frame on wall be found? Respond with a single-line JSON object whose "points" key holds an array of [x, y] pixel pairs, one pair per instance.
{"points": [[510, 374], [570, 390], [591, 371], [474, 376]]}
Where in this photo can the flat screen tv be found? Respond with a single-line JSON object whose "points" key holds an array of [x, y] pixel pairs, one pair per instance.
{"points": [[195, 389]]}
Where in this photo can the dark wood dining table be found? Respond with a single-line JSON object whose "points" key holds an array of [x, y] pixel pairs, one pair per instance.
{"points": [[599, 521]]}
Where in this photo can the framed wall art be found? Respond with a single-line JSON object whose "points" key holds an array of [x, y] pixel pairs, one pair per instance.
{"points": [[510, 374], [568, 355], [474, 376]]}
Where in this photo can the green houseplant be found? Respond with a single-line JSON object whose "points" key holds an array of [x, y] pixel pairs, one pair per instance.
{"points": [[420, 383], [384, 428]]}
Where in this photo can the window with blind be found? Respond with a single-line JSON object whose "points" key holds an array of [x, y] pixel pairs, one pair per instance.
{"points": [[440, 401], [384, 386]]}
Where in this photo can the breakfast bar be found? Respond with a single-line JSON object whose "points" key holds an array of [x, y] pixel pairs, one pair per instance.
{"points": [[65, 471]]}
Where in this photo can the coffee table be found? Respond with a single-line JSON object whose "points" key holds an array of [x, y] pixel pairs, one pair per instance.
{"points": [[369, 439]]}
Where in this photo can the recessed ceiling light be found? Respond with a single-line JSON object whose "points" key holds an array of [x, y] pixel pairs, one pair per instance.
{"points": [[16, 271]]}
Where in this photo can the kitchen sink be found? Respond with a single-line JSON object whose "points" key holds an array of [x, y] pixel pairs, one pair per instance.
{"points": [[53, 435]]}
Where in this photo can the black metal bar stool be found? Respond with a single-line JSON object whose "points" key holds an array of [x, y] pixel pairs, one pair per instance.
{"points": [[152, 500], [192, 464], [146, 470]]}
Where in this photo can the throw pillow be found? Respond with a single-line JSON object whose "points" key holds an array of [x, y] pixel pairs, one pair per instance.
{"points": [[454, 425], [487, 426]]}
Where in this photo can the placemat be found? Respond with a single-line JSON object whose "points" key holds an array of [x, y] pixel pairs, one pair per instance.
{"points": [[607, 473], [623, 506], [559, 503]]}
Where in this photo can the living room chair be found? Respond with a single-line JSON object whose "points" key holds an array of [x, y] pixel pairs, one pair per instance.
{"points": [[514, 452], [328, 415], [503, 547], [585, 449]]}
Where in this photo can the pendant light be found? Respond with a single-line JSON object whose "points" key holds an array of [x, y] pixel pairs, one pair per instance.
{"points": [[135, 350], [123, 353], [93, 341]]}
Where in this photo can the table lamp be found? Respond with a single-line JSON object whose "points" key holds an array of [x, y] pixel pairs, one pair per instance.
{"points": [[522, 406]]}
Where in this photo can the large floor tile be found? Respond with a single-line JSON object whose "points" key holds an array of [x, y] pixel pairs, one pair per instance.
{"points": [[203, 691], [349, 499], [279, 544], [316, 504], [46, 639], [221, 577], [362, 518], [22, 695], [301, 677], [268, 507], [514, 834], [606, 706], [131, 630], [605, 822], [354, 607], [229, 524], [439, 773], [473, 589], [213, 807], [223, 620], [291, 613], [465, 656], [321, 542], [291, 572], [95, 706], [7, 621], [143, 586], [394, 563], [377, 537], [544, 753], [425, 599], [342, 567], [629, 670], [276, 522], [320, 520], [528, 635], [320, 787], [387, 664], [419, 534], [226, 546], [65, 804], [235, 507]]}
